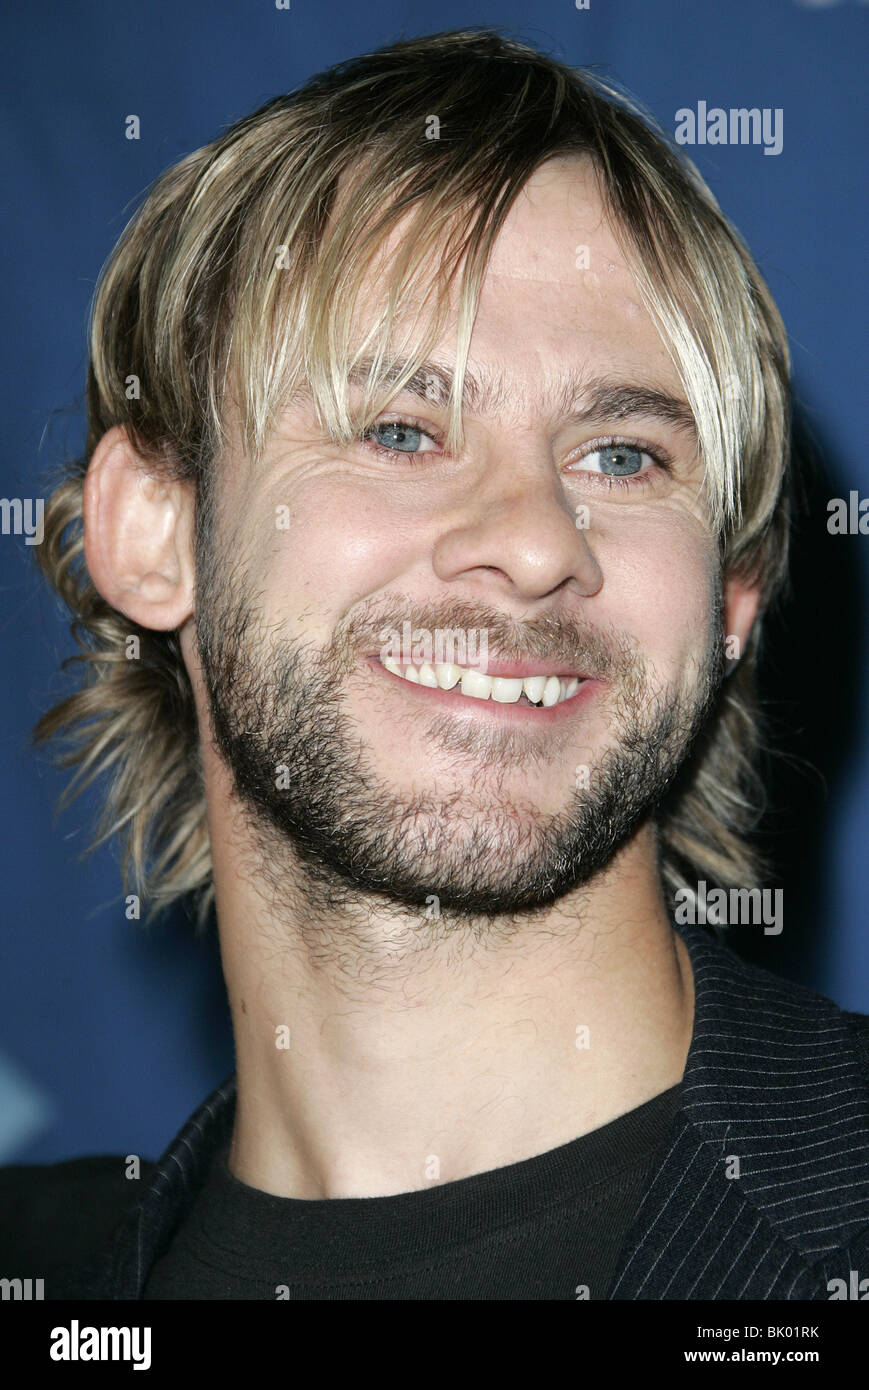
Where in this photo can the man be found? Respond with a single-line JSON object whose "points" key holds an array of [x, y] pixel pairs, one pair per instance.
{"points": [[438, 464]]}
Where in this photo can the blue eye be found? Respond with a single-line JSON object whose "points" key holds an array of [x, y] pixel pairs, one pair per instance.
{"points": [[398, 436], [617, 460]]}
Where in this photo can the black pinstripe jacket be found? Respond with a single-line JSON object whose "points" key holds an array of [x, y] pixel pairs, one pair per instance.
{"points": [[777, 1077]]}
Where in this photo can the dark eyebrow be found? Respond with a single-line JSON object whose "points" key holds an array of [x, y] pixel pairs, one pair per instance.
{"points": [[575, 399], [617, 400]]}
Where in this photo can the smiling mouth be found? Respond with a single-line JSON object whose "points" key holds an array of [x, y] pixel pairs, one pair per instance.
{"points": [[541, 691]]}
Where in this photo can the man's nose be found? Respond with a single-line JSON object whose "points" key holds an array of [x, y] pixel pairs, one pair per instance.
{"points": [[524, 530]]}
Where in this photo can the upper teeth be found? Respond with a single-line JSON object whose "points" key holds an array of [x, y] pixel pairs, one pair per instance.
{"points": [[540, 690]]}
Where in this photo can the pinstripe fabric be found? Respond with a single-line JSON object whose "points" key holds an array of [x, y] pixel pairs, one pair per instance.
{"points": [[777, 1081], [777, 1077]]}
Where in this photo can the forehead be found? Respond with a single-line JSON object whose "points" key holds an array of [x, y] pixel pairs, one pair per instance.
{"points": [[558, 212], [558, 294]]}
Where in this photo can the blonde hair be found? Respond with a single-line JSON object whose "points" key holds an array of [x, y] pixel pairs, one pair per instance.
{"points": [[235, 285]]}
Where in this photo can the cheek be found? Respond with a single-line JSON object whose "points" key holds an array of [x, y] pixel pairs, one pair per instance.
{"points": [[658, 584], [337, 545]]}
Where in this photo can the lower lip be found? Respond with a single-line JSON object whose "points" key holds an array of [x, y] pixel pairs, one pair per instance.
{"points": [[517, 713]]}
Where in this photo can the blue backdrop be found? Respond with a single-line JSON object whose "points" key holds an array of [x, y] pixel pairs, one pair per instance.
{"points": [[110, 1034]]}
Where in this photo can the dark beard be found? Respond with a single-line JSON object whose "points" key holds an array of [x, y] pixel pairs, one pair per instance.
{"points": [[280, 704]]}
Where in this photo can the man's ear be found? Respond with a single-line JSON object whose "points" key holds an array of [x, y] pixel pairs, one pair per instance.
{"points": [[138, 536], [741, 602]]}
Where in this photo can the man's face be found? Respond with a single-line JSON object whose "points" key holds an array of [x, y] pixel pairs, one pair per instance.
{"points": [[565, 555]]}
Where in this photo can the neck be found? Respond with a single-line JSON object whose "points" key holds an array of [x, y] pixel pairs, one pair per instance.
{"points": [[376, 1055]]}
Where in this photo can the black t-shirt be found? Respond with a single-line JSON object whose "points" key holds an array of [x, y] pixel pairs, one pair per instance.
{"points": [[548, 1227]]}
